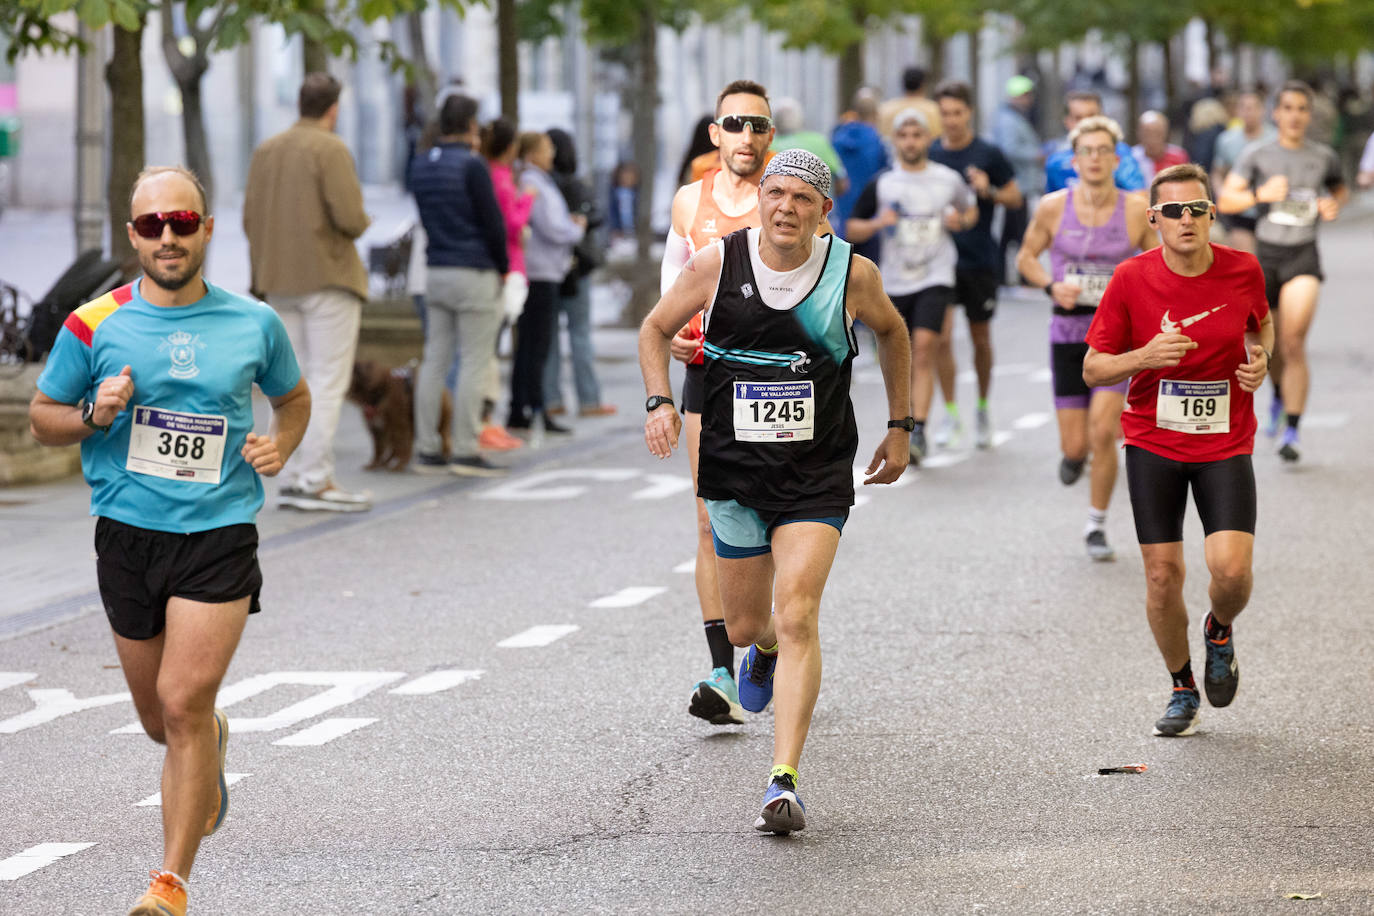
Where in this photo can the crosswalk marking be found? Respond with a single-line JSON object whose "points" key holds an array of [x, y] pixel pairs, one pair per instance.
{"points": [[36, 857], [688, 566], [436, 682], [629, 597], [323, 732], [540, 635], [1031, 421]]}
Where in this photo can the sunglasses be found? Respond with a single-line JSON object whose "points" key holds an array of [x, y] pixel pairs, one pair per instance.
{"points": [[1199, 209], [183, 222], [734, 124]]}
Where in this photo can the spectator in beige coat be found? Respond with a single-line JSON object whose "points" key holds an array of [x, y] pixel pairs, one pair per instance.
{"points": [[302, 212]]}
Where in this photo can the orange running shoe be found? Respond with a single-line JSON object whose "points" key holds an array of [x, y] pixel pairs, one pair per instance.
{"points": [[222, 735], [166, 896], [497, 439], [597, 410]]}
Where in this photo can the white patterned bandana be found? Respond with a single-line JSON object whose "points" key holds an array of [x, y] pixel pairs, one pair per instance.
{"points": [[799, 163]]}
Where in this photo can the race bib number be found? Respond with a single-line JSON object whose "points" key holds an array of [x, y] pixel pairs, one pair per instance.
{"points": [[1091, 280], [1300, 209], [774, 411], [177, 446], [919, 231], [1199, 408]]}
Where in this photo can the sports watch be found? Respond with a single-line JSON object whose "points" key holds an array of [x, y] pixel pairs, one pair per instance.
{"points": [[657, 401], [906, 423], [88, 417]]}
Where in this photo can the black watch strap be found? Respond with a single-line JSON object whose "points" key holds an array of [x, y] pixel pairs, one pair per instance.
{"points": [[906, 423], [88, 417], [657, 401]]}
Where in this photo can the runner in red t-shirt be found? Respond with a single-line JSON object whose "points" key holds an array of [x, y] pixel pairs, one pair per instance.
{"points": [[1188, 323]]}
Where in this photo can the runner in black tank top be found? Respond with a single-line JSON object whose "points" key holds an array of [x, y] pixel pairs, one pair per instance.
{"points": [[778, 435]]}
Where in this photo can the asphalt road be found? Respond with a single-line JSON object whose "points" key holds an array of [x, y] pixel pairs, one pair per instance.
{"points": [[473, 699]]}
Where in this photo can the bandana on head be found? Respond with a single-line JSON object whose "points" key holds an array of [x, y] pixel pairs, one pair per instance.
{"points": [[798, 163]]}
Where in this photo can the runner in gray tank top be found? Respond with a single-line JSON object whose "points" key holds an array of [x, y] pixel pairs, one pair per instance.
{"points": [[1088, 230], [1296, 182]]}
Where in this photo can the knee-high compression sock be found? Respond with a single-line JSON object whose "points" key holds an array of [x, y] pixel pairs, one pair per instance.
{"points": [[722, 653]]}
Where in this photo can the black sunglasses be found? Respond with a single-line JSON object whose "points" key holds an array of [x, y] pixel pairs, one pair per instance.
{"points": [[1199, 208], [183, 222], [733, 124]]}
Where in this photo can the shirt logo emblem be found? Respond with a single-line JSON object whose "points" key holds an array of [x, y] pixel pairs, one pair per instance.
{"points": [[182, 348], [748, 290], [800, 364], [709, 226], [1173, 327]]}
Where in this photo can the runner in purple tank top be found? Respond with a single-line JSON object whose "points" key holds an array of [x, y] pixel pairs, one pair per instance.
{"points": [[1088, 230]]}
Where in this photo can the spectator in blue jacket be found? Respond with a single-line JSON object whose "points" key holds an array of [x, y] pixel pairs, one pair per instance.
{"points": [[861, 149], [465, 259], [1059, 173]]}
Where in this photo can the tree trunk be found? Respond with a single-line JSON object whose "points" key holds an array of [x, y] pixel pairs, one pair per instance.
{"points": [[643, 91], [1171, 89], [426, 85], [124, 75], [850, 74], [508, 60], [935, 58], [975, 66], [1132, 85], [1209, 31], [187, 72]]}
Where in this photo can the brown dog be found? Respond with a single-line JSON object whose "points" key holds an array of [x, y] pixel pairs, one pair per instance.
{"points": [[387, 397]]}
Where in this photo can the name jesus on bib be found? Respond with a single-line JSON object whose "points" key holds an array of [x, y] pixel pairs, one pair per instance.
{"points": [[1194, 407], [774, 411], [177, 446]]}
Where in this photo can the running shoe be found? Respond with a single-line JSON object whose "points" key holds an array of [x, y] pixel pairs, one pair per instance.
{"points": [[1070, 471], [166, 897], [949, 432], [1288, 447], [556, 429], [329, 499], [716, 699], [1181, 716], [1097, 545], [222, 737], [1276, 418], [756, 679], [983, 430], [496, 439], [476, 466], [429, 464], [596, 410], [1222, 675], [918, 447], [782, 810]]}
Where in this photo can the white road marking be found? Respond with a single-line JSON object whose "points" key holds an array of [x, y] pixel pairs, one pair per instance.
{"points": [[690, 566], [536, 486], [53, 704], [344, 687], [1324, 420], [14, 678], [155, 800], [541, 635], [629, 597], [998, 371], [1000, 439], [1041, 376], [661, 486], [1031, 421], [323, 732], [36, 857], [436, 682], [944, 459]]}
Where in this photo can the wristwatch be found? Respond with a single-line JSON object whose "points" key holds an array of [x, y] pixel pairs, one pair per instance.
{"points": [[906, 423], [656, 402], [88, 417], [1049, 289]]}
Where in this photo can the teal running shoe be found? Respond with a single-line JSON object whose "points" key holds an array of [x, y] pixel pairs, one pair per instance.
{"points": [[716, 699]]}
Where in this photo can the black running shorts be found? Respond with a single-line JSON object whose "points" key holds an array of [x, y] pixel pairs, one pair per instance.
{"points": [[1224, 492], [1282, 263], [694, 388], [976, 291], [926, 308], [140, 569]]}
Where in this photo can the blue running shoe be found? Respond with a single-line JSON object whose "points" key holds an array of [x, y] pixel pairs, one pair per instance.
{"points": [[782, 810], [1288, 446], [1180, 716], [756, 679], [1276, 418], [1222, 675], [716, 699]]}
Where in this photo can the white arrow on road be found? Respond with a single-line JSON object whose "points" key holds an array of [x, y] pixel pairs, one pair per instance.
{"points": [[661, 486], [629, 597], [36, 857], [537, 486], [14, 678], [55, 703]]}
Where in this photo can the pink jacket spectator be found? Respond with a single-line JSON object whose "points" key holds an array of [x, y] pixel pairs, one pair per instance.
{"points": [[515, 207]]}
